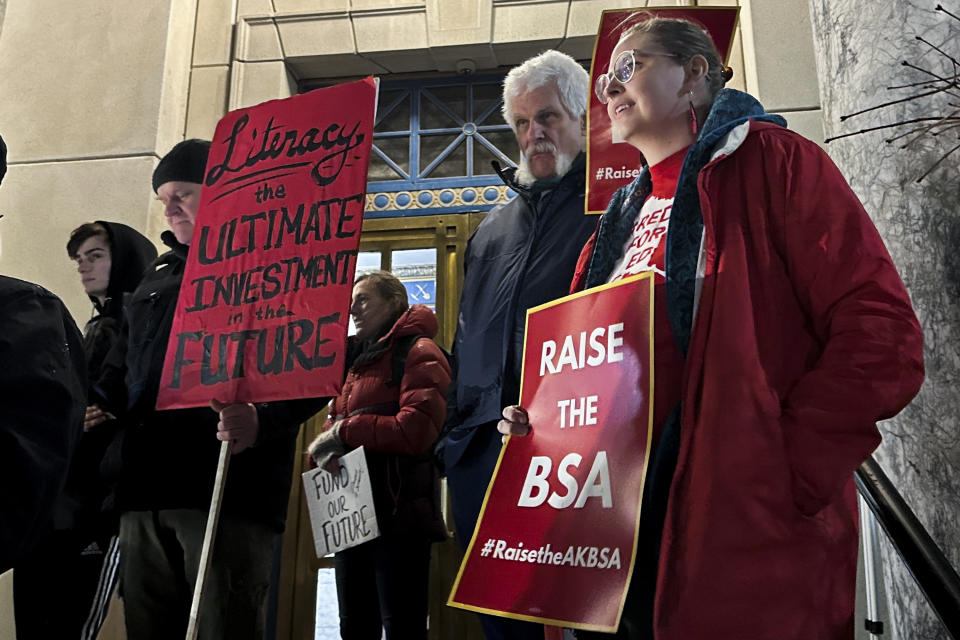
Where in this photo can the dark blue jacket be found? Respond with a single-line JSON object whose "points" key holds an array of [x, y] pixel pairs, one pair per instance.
{"points": [[522, 255]]}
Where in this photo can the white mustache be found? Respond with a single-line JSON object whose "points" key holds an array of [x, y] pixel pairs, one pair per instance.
{"points": [[543, 146]]}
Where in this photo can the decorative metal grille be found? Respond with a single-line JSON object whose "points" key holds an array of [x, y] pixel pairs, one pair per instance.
{"points": [[434, 141]]}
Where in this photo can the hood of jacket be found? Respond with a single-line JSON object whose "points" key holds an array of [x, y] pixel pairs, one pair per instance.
{"points": [[417, 320], [730, 109], [130, 255]]}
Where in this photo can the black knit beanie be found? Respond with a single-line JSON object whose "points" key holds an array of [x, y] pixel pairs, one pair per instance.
{"points": [[185, 163], [3, 159]]}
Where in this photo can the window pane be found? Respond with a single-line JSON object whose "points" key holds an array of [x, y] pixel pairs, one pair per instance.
{"points": [[380, 170], [398, 150], [417, 270], [412, 258], [504, 141], [399, 118], [482, 158], [432, 117], [485, 95], [431, 146], [453, 98], [367, 261]]}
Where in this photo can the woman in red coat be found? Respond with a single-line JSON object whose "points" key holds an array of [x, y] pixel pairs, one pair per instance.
{"points": [[782, 334], [395, 412]]}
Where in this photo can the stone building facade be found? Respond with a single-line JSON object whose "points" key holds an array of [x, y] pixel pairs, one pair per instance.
{"points": [[94, 92], [859, 55]]}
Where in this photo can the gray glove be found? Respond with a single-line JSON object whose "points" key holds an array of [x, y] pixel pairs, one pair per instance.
{"points": [[327, 447]]}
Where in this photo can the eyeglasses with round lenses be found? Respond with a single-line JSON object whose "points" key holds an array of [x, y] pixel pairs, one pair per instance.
{"points": [[624, 66]]}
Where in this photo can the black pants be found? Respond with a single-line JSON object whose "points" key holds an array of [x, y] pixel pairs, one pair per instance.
{"points": [[637, 620], [161, 556], [468, 480], [382, 585], [60, 575]]}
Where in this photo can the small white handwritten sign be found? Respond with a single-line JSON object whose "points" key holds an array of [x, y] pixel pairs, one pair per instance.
{"points": [[341, 505]]}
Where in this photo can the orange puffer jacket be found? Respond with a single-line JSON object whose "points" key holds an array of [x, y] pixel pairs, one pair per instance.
{"points": [[398, 424]]}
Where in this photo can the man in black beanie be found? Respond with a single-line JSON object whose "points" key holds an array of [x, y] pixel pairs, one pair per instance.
{"points": [[43, 395], [168, 459]]}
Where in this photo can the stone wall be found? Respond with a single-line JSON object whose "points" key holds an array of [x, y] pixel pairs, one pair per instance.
{"points": [[91, 99], [859, 54]]}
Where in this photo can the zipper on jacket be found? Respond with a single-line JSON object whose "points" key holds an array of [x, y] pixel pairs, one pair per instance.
{"points": [[512, 308]]}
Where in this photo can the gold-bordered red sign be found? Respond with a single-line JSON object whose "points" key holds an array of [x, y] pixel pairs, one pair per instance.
{"points": [[263, 308], [611, 165], [557, 534]]}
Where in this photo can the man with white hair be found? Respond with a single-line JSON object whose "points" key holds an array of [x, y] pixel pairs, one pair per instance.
{"points": [[522, 255]]}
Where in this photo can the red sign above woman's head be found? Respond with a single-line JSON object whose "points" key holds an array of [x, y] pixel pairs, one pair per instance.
{"points": [[612, 163], [262, 311]]}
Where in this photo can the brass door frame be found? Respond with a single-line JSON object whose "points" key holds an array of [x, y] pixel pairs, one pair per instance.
{"points": [[299, 564]]}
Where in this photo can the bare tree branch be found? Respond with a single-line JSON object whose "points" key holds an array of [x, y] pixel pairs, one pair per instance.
{"points": [[930, 127]]}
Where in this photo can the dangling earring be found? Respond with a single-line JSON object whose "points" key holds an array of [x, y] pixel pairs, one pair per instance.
{"points": [[694, 125]]}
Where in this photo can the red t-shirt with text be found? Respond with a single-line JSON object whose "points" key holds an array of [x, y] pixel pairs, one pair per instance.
{"points": [[645, 250]]}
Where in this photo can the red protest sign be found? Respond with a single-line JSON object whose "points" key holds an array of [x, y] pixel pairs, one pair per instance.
{"points": [[612, 164], [558, 530], [263, 308]]}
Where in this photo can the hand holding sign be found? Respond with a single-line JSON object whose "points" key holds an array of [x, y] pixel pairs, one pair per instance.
{"points": [[95, 416], [341, 504], [516, 422], [239, 424], [327, 448]]}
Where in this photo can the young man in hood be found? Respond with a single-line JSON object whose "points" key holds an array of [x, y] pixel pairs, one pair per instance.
{"points": [[111, 259]]}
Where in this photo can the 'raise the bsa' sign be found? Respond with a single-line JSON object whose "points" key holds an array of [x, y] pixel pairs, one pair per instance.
{"points": [[262, 312], [558, 530]]}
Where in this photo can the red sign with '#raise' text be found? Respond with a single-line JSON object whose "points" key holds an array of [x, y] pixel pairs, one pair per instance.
{"points": [[558, 531], [263, 307], [612, 163]]}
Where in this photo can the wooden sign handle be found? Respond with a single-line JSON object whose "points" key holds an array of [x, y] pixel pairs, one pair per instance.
{"points": [[206, 553]]}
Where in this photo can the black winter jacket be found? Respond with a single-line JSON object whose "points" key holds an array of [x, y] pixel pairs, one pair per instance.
{"points": [[522, 255], [130, 255], [87, 492], [43, 385], [168, 459]]}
